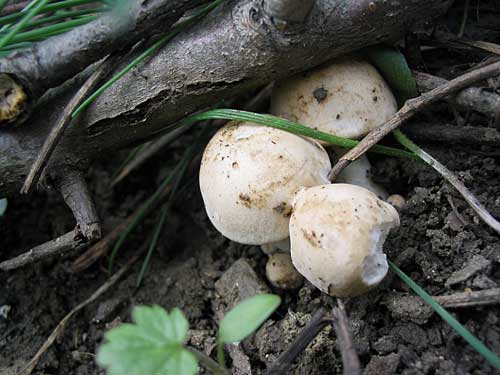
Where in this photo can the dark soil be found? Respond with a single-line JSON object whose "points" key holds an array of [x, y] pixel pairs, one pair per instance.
{"points": [[393, 332]]}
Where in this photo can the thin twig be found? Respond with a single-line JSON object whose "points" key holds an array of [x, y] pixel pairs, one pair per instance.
{"points": [[350, 360], [452, 134], [476, 98], [56, 247], [468, 299], [76, 194], [410, 108], [318, 321], [480, 210], [62, 324], [62, 124]]}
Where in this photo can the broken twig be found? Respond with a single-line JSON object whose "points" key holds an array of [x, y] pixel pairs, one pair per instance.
{"points": [[410, 108]]}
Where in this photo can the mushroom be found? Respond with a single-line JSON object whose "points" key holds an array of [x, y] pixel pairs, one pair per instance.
{"points": [[281, 273], [249, 176], [336, 233], [347, 98]]}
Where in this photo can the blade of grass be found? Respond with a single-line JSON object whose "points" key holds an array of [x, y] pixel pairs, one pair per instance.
{"points": [[45, 32], [37, 7], [449, 176], [491, 357], [148, 52], [290, 126], [166, 209], [47, 8], [152, 245], [145, 208], [64, 15], [3, 3]]}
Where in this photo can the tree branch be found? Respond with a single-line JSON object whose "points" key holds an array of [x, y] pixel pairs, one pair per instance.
{"points": [[233, 50], [289, 10], [51, 62], [76, 195]]}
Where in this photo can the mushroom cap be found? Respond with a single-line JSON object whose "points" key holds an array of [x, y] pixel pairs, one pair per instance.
{"points": [[249, 175], [281, 273], [337, 232], [347, 98]]}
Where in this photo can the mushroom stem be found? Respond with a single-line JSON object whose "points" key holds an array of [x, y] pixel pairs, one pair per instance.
{"points": [[289, 10]]}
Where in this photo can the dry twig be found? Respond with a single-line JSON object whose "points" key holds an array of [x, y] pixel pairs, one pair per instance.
{"points": [[56, 247], [30, 366], [410, 108]]}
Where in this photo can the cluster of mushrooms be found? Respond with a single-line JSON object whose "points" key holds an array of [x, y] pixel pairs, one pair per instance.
{"points": [[268, 187]]}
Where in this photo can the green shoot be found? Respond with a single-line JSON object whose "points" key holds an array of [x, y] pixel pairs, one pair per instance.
{"points": [[153, 345], [147, 53], [244, 319], [290, 126], [155, 342], [37, 7], [3, 206], [491, 357]]}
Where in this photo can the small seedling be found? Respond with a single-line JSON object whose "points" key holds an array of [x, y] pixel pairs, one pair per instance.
{"points": [[155, 342]]}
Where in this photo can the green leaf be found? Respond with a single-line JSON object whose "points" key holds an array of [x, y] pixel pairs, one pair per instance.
{"points": [[151, 346], [3, 206], [393, 66], [491, 357], [246, 317]]}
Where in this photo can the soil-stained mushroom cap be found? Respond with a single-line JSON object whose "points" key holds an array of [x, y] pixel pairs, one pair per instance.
{"points": [[281, 273], [337, 232], [249, 175], [347, 98]]}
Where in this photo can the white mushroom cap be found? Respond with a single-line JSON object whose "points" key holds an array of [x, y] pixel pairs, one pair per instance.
{"points": [[249, 175], [281, 273], [347, 98], [337, 232]]}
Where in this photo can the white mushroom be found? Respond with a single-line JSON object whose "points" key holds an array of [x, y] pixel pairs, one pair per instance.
{"points": [[337, 232], [249, 176], [347, 98], [397, 201], [281, 273]]}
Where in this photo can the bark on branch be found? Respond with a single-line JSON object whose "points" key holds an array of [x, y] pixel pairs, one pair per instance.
{"points": [[49, 63], [233, 50]]}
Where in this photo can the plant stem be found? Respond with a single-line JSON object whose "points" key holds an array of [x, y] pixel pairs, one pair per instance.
{"points": [[208, 362]]}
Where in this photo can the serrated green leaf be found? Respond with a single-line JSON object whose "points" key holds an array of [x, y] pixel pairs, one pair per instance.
{"points": [[393, 66], [3, 206], [151, 346], [246, 317]]}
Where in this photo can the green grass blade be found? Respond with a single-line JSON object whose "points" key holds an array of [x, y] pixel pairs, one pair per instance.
{"points": [[152, 245], [290, 126], [491, 357], [64, 15], [47, 31], [37, 7], [3, 3], [147, 53], [5, 20]]}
